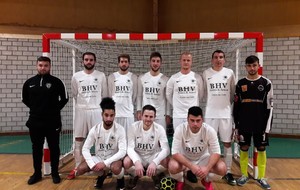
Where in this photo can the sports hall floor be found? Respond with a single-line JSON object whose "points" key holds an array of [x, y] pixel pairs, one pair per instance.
{"points": [[283, 172]]}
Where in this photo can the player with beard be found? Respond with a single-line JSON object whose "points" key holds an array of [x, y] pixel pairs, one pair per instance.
{"points": [[148, 149], [45, 95], [152, 90], [89, 86], [122, 87], [109, 140]]}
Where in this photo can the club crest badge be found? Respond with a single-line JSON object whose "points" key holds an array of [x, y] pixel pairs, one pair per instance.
{"points": [[48, 85]]}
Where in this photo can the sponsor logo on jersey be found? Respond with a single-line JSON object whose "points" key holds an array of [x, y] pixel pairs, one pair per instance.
{"points": [[218, 87], [152, 90], [186, 89], [194, 150], [146, 146], [89, 88], [244, 88], [122, 89], [105, 147]]}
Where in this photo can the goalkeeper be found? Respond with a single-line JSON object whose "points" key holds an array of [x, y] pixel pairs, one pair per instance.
{"points": [[252, 112]]}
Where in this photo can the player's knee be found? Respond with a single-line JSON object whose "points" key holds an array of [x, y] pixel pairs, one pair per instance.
{"points": [[127, 163], [261, 148], [174, 167]]}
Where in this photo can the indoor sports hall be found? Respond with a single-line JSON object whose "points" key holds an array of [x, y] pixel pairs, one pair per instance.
{"points": [[64, 30]]}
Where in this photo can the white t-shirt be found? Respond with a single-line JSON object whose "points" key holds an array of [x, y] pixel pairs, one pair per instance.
{"points": [[110, 145], [195, 145], [88, 89], [123, 90], [152, 90], [183, 92], [143, 144], [219, 90]]}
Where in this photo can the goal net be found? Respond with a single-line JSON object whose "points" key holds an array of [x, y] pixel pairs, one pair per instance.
{"points": [[66, 51]]}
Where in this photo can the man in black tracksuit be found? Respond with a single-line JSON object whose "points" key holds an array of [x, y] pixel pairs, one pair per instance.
{"points": [[45, 95]]}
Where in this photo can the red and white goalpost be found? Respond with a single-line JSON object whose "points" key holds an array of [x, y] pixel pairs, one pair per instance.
{"points": [[65, 51]]}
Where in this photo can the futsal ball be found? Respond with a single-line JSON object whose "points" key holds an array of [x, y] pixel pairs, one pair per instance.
{"points": [[167, 183]]}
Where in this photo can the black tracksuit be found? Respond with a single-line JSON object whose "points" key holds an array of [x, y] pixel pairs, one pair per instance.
{"points": [[45, 95]]}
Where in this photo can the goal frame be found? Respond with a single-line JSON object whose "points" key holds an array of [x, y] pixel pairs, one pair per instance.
{"points": [[257, 36]]}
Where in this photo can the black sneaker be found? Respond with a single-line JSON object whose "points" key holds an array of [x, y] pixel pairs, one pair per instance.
{"points": [[156, 179], [132, 182], [99, 182], [191, 177], [120, 184], [229, 179], [109, 175], [34, 179], [56, 179]]}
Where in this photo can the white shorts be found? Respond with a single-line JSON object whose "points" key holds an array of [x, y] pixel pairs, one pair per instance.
{"points": [[85, 120], [97, 159], [203, 161], [222, 126], [146, 161], [126, 122], [178, 121], [161, 121]]}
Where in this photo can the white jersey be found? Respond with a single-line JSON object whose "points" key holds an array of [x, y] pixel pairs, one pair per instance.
{"points": [[183, 92], [110, 145], [143, 144], [219, 90], [152, 90], [195, 145], [88, 89], [123, 90]]}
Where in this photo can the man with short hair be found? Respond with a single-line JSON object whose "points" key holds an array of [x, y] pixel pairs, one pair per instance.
{"points": [[89, 86], [195, 149], [152, 90], [122, 87], [252, 111], [184, 89], [148, 149], [219, 87], [45, 96]]}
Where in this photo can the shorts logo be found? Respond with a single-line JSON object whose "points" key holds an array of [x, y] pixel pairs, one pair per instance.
{"points": [[244, 88], [48, 85]]}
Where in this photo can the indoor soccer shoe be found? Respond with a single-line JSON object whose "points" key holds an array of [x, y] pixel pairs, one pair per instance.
{"points": [[207, 184], [191, 177], [72, 174], [179, 185], [242, 180], [263, 183], [34, 179], [229, 179], [56, 178], [132, 182], [99, 182], [120, 184], [156, 180]]}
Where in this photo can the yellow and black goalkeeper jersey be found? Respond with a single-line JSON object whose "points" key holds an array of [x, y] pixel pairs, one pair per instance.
{"points": [[253, 105]]}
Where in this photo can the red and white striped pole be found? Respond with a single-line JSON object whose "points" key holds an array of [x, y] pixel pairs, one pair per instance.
{"points": [[46, 165]]}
